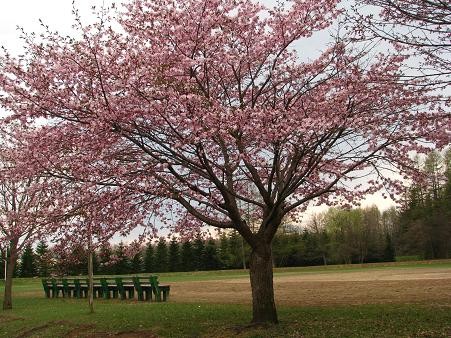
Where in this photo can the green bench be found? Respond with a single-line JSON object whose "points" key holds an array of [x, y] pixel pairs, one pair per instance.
{"points": [[75, 287], [161, 292], [108, 287]]}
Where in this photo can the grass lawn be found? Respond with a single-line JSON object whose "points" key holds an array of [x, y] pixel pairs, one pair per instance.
{"points": [[35, 316]]}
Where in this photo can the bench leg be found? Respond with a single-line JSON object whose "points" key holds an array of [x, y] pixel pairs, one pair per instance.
{"points": [[122, 294], [148, 295]]}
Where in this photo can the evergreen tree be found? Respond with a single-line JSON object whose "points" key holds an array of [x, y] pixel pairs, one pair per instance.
{"points": [[27, 264], [211, 258], [174, 255], [149, 263], [78, 262], [137, 265], [122, 264], [199, 254], [224, 252], [187, 257], [161, 256], [42, 259], [237, 256], [95, 263], [105, 260]]}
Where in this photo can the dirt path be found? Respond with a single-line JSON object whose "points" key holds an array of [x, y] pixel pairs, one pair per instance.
{"points": [[363, 287]]}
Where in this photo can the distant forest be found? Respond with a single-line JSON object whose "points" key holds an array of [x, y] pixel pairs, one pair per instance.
{"points": [[419, 229]]}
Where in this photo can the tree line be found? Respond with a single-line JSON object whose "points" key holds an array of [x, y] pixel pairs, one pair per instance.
{"points": [[419, 229]]}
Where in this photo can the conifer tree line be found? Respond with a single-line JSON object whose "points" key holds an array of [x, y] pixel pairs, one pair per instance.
{"points": [[419, 229]]}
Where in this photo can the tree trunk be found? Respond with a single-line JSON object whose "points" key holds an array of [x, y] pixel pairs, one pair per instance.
{"points": [[7, 300], [261, 275], [91, 283]]}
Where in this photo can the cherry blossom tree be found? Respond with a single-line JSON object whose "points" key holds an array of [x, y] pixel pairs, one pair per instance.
{"points": [[25, 206], [86, 211], [91, 217], [203, 110]]}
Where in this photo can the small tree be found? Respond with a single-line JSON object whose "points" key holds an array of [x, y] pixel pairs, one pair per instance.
{"points": [[26, 201], [122, 262], [106, 259], [211, 258], [161, 256], [174, 255], [28, 263], [43, 259], [199, 253], [149, 259], [187, 256], [137, 264], [224, 251]]}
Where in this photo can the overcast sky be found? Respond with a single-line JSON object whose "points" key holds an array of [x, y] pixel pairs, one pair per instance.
{"points": [[57, 14]]}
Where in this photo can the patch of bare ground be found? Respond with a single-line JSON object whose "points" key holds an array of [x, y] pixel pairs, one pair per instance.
{"points": [[83, 331], [125, 334], [6, 319], [426, 285], [29, 332]]}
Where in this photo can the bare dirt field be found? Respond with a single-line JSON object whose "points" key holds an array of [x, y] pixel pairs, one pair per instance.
{"points": [[403, 285]]}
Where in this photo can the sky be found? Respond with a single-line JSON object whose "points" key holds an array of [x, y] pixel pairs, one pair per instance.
{"points": [[57, 14]]}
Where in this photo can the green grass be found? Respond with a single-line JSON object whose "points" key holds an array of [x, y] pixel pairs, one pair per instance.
{"points": [[407, 258], [209, 320], [232, 274], [36, 316]]}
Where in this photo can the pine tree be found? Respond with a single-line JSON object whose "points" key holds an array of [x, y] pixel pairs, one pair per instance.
{"points": [[174, 255], [27, 264], [161, 256], [211, 259], [199, 254], [78, 261], [187, 257], [122, 264], [236, 250], [42, 259], [137, 265], [105, 260], [95, 263], [224, 252], [149, 264]]}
